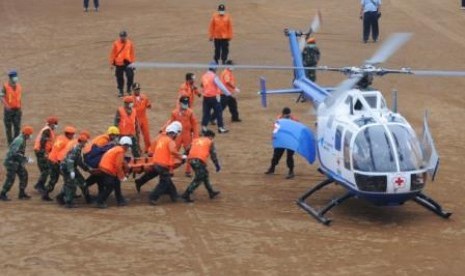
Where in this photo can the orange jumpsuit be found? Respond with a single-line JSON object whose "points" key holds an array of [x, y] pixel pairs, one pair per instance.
{"points": [[187, 90], [141, 103], [190, 129]]}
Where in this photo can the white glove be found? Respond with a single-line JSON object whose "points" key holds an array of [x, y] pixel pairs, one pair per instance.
{"points": [[184, 157], [237, 90], [124, 179], [218, 98], [72, 175], [30, 160]]}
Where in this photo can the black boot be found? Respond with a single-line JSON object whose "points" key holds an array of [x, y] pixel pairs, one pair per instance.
{"points": [[270, 171], [4, 197], [138, 185], [213, 194], [290, 175], [23, 195], [39, 187], [60, 198], [46, 197], [187, 197]]}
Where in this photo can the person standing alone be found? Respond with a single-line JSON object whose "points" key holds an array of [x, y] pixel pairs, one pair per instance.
{"points": [[221, 32], [11, 99], [122, 54], [86, 5], [370, 12]]}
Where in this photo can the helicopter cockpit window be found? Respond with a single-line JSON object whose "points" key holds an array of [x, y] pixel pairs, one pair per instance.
{"points": [[371, 100], [407, 147], [338, 138], [347, 138], [372, 151]]}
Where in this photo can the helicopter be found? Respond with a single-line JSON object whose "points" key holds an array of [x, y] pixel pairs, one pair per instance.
{"points": [[362, 145]]}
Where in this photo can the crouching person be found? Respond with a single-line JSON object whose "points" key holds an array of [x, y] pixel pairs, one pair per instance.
{"points": [[14, 164], [72, 176], [113, 167], [201, 149]]}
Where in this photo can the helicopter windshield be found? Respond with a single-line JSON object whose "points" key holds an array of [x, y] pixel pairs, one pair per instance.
{"points": [[408, 148], [373, 151]]}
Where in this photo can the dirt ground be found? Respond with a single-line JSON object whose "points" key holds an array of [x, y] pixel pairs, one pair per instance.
{"points": [[254, 227]]}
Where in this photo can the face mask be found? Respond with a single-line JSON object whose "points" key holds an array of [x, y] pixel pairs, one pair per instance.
{"points": [[14, 79], [221, 12], [130, 105], [184, 106]]}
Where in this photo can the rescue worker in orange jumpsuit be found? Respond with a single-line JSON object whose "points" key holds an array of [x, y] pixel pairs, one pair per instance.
{"points": [[141, 103], [55, 156], [150, 171], [42, 147], [202, 148], [94, 151], [121, 55], [188, 89], [186, 117], [220, 31], [126, 121], [229, 82], [114, 168], [11, 98], [278, 152], [212, 88]]}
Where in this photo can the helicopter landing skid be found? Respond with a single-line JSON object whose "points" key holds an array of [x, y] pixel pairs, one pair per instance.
{"points": [[431, 205], [319, 214]]}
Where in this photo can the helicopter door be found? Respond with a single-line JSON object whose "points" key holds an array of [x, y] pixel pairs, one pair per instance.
{"points": [[430, 154]]}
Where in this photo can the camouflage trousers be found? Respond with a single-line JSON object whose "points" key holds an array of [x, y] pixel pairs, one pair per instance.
{"points": [[44, 168], [12, 121], [311, 75], [54, 176], [70, 185], [201, 175], [13, 169]]}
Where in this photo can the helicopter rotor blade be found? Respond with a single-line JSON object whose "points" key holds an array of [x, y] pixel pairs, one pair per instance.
{"points": [[340, 91], [392, 44], [313, 28], [431, 73], [174, 65]]}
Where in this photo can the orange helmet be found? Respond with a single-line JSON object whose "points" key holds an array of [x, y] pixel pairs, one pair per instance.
{"points": [[85, 133], [52, 120], [311, 40], [27, 130], [70, 130], [83, 137], [128, 99]]}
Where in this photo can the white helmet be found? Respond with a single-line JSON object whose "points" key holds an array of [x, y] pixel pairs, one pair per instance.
{"points": [[125, 141], [174, 127]]}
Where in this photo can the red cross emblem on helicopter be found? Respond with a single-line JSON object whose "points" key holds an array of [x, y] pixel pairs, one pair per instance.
{"points": [[399, 181]]}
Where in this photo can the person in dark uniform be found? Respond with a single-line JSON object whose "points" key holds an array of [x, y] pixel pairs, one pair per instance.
{"points": [[310, 58], [370, 12]]}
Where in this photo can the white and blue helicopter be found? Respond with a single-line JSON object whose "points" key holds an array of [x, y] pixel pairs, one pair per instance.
{"points": [[370, 150]]}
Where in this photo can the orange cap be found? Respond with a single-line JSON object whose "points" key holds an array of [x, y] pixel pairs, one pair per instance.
{"points": [[83, 137], [85, 133], [70, 130], [311, 40], [27, 130], [128, 99], [52, 120]]}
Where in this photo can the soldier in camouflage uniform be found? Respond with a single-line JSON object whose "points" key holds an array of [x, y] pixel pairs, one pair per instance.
{"points": [[201, 149], [14, 164], [72, 176], [42, 147], [310, 58]]}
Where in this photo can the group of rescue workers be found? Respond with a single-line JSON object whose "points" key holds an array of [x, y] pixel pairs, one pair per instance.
{"points": [[105, 156]]}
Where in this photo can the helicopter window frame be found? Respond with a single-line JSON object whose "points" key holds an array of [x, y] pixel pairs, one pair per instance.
{"points": [[372, 100], [338, 138], [347, 142], [408, 148]]}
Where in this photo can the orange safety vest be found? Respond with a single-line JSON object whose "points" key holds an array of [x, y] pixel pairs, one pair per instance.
{"points": [[58, 146], [210, 89], [112, 162], [12, 98], [141, 104], [62, 154], [220, 26], [187, 90], [122, 51], [228, 79], [200, 149], [162, 154], [186, 118], [127, 123], [49, 143], [99, 141]]}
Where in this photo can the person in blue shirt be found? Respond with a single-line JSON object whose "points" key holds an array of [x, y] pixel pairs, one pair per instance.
{"points": [[370, 12]]}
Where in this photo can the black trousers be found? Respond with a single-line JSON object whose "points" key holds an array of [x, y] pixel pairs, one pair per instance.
{"points": [[209, 104], [108, 183], [221, 49], [147, 176], [370, 23], [119, 74], [165, 185], [278, 153], [86, 4], [231, 103]]}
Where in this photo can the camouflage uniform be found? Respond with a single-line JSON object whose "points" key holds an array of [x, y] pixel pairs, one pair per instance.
{"points": [[310, 58], [42, 161], [70, 164], [201, 175], [14, 164]]}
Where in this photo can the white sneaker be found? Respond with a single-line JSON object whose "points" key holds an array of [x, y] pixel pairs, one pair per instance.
{"points": [[222, 130]]}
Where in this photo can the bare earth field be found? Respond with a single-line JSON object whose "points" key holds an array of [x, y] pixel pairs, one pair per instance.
{"points": [[254, 227]]}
